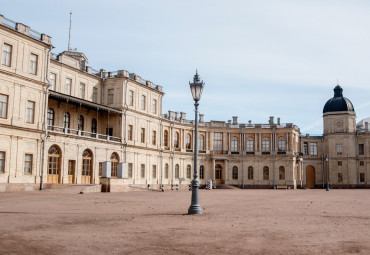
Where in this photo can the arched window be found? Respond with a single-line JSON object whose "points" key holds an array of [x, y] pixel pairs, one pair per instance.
{"points": [[266, 173], [201, 172], [250, 173], [201, 143], [281, 144], [51, 119], [234, 144], [176, 140], [235, 172], [94, 126], [281, 173], [165, 136], [265, 145], [250, 144], [66, 120], [166, 171], [188, 172], [86, 167], [188, 141], [114, 159], [81, 123], [177, 171]]}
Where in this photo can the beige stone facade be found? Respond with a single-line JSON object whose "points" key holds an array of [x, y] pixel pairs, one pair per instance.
{"points": [[61, 121]]}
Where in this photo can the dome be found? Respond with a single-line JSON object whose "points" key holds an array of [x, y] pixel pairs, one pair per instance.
{"points": [[338, 103]]}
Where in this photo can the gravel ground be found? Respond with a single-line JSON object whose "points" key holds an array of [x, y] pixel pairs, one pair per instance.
{"points": [[233, 222]]}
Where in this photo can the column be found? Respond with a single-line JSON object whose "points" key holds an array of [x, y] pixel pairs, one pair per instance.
{"points": [[260, 142], [287, 142], [211, 135]]}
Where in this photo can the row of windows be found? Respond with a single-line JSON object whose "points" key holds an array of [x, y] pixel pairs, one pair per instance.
{"points": [[6, 59], [27, 168], [313, 148], [30, 109]]}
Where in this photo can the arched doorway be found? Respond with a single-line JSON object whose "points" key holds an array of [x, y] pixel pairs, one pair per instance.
{"points": [[114, 159], [54, 158], [310, 177], [218, 174], [86, 167]]}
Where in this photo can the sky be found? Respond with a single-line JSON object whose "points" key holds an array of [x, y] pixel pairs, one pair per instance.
{"points": [[258, 58]]}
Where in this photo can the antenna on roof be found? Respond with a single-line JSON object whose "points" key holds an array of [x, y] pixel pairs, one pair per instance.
{"points": [[70, 27]]}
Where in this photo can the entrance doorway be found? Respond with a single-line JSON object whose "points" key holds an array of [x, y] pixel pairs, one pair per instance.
{"points": [[53, 165], [310, 177], [86, 167], [218, 174], [71, 171]]}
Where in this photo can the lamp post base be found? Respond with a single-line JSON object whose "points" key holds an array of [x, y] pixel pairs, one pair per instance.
{"points": [[195, 209]]}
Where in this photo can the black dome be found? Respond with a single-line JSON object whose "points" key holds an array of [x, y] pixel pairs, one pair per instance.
{"points": [[338, 103]]}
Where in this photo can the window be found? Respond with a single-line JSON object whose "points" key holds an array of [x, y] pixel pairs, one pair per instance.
{"points": [[281, 146], [143, 102], [340, 177], [50, 119], [142, 172], [188, 141], [176, 140], [110, 96], [313, 148], [7, 55], [217, 142], [114, 159], [130, 127], [33, 64], [109, 131], [250, 144], [201, 172], [142, 135], [72, 167], [305, 148], [3, 106], [265, 145], [154, 171], [361, 149], [188, 172], [130, 98], [129, 170], [95, 95], [66, 120], [94, 126], [339, 149], [201, 143], [362, 163], [165, 136], [68, 86], [80, 123], [281, 173], [2, 162], [235, 172], [28, 163], [82, 90], [166, 171], [266, 174], [154, 137], [250, 173], [154, 106], [30, 118], [53, 80], [234, 144], [339, 163], [362, 177], [177, 171]]}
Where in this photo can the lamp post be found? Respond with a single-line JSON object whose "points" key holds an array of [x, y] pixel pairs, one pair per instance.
{"points": [[327, 172], [196, 88]]}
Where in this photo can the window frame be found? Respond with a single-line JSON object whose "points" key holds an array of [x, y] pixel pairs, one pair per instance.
{"points": [[142, 135], [130, 98], [82, 90], [2, 161], [3, 105], [218, 142], [235, 173], [313, 148], [53, 81], [250, 144], [234, 144], [27, 168], [30, 112], [154, 171], [281, 144], [188, 171], [68, 86], [266, 173], [129, 132], [110, 99], [250, 172], [154, 137], [142, 171], [7, 56], [143, 102], [265, 144], [32, 69], [154, 106]]}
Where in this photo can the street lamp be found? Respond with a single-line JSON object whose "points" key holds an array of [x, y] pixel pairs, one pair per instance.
{"points": [[327, 172], [196, 88]]}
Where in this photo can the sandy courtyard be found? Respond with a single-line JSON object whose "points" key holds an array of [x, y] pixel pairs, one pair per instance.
{"points": [[233, 222]]}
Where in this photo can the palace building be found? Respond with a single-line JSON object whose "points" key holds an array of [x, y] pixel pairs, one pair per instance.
{"points": [[63, 122]]}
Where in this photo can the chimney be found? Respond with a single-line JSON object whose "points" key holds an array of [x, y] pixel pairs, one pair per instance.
{"points": [[177, 115], [183, 115], [366, 126], [201, 118], [235, 120], [271, 121], [171, 115], [278, 121]]}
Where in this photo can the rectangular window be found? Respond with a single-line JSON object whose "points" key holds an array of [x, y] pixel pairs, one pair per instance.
{"points": [[7, 55], [2, 162], [130, 98], [142, 171], [217, 142], [361, 149], [340, 177], [305, 148], [95, 95], [142, 135], [30, 118], [33, 64], [339, 163], [3, 106], [109, 131], [143, 102], [154, 106], [82, 90], [154, 172], [250, 173], [71, 168], [234, 144], [110, 96], [250, 144], [28, 163], [362, 177], [130, 127], [313, 148], [68, 86], [339, 149], [129, 170], [53, 81], [154, 137], [362, 163]]}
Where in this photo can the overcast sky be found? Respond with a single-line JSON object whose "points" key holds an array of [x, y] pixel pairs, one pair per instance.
{"points": [[258, 58]]}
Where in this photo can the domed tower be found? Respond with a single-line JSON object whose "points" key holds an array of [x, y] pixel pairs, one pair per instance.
{"points": [[339, 114]]}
